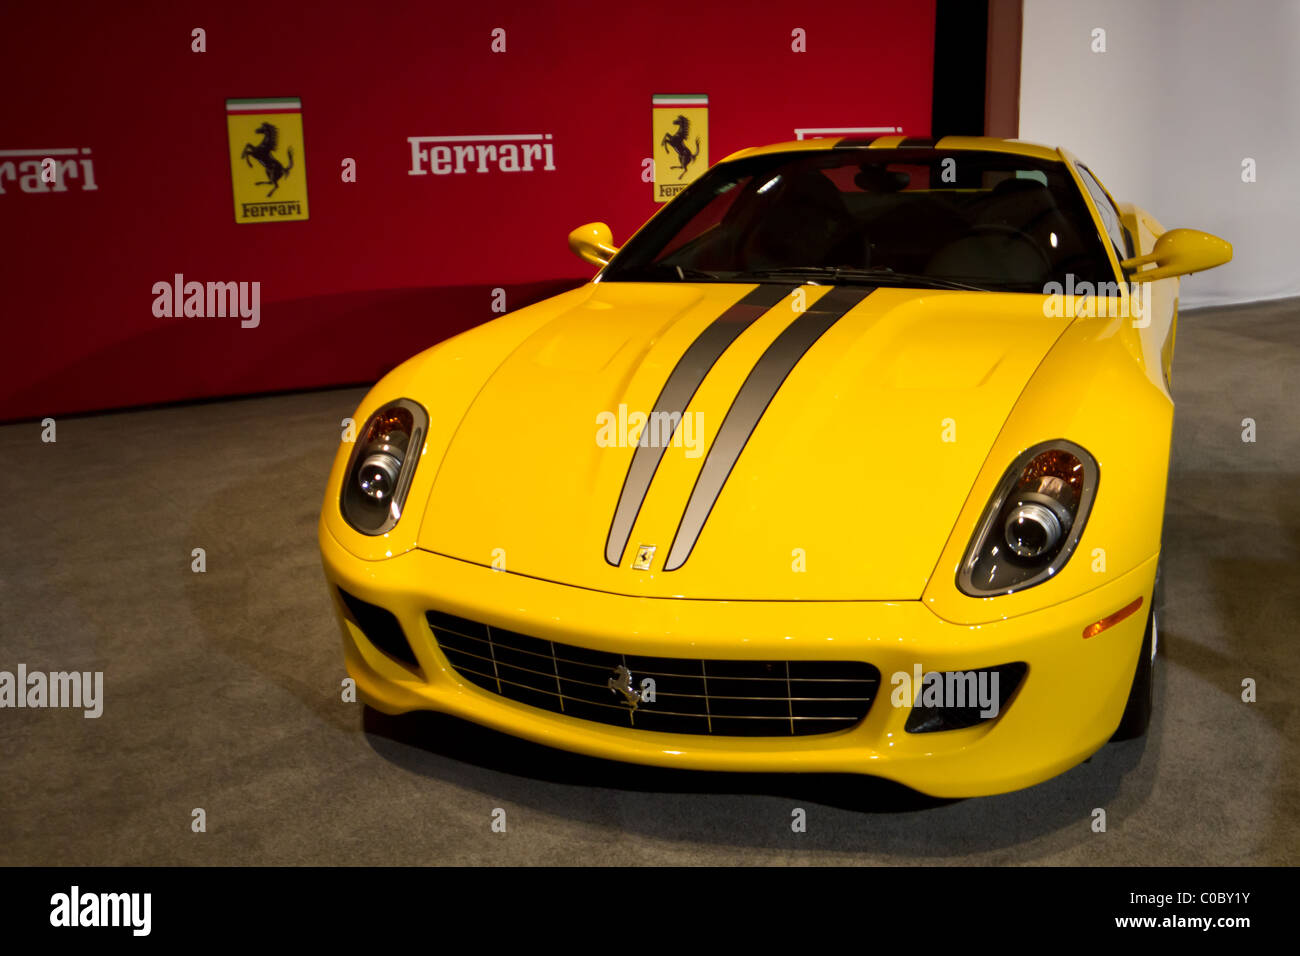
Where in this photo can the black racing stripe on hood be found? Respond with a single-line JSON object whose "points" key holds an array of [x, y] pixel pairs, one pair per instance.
{"points": [[757, 392], [683, 382]]}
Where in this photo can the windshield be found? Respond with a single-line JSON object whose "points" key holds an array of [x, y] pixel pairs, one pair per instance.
{"points": [[927, 218]]}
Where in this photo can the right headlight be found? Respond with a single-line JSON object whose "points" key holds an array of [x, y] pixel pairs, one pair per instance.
{"points": [[1032, 524], [382, 465]]}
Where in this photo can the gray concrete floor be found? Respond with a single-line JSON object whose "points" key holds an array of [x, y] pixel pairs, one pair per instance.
{"points": [[222, 689]]}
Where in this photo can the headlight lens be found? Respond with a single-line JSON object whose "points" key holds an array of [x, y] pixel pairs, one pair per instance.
{"points": [[1032, 524], [383, 463], [379, 473]]}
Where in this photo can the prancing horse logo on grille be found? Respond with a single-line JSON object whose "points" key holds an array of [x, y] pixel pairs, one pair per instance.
{"points": [[621, 683]]}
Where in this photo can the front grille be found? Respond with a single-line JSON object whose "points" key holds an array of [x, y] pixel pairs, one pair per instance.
{"points": [[691, 696]]}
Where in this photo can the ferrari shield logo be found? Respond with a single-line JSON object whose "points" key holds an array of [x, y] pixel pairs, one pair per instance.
{"points": [[681, 141], [267, 165]]}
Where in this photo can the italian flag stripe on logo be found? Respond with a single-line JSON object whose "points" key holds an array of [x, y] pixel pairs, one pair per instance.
{"points": [[680, 99], [276, 104]]}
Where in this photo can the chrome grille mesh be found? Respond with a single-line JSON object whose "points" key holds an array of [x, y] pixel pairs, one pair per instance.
{"points": [[692, 696]]}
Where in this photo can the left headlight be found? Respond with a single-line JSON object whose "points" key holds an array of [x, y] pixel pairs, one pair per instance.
{"points": [[382, 465], [1032, 524]]}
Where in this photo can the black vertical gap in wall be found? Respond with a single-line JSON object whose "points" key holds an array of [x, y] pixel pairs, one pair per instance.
{"points": [[960, 53]]}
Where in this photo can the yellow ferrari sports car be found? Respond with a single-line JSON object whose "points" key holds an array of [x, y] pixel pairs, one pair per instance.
{"points": [[852, 459]]}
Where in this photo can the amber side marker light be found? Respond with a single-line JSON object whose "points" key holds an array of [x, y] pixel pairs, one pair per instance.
{"points": [[1092, 630]]}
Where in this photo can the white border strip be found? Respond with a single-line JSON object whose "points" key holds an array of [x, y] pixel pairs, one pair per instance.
{"points": [[818, 132], [259, 107], [61, 151], [477, 139]]}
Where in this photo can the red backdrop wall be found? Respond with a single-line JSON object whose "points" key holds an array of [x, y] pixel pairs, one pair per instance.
{"points": [[391, 263]]}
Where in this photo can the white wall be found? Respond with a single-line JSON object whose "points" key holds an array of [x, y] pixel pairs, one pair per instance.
{"points": [[1184, 92]]}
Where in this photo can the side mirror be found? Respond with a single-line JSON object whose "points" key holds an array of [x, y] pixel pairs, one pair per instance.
{"points": [[1179, 252], [593, 243]]}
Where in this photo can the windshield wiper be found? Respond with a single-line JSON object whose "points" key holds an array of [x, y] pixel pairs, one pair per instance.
{"points": [[686, 272], [880, 275], [672, 271]]}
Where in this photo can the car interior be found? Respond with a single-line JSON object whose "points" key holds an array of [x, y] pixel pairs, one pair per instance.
{"points": [[995, 226]]}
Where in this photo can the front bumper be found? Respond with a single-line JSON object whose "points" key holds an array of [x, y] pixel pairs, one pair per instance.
{"points": [[1065, 709]]}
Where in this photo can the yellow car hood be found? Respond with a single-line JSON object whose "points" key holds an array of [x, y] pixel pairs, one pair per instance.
{"points": [[846, 487]]}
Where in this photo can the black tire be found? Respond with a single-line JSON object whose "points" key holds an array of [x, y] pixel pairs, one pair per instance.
{"points": [[1141, 697]]}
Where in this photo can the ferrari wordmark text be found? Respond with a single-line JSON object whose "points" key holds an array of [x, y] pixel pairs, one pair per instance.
{"points": [[62, 689], [503, 153], [751, 402], [75, 908], [677, 392], [211, 300], [48, 170]]}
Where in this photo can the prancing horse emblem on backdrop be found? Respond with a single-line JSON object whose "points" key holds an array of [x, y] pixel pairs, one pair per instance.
{"points": [[679, 142], [275, 170], [679, 123], [266, 149]]}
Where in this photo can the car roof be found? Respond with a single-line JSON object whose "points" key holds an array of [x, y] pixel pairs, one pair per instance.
{"points": [[990, 144]]}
